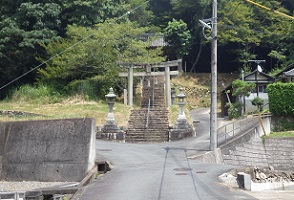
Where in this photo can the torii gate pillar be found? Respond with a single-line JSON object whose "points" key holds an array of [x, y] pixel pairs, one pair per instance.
{"points": [[167, 86], [130, 85]]}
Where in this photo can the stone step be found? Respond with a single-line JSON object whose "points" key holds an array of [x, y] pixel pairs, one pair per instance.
{"points": [[158, 124], [138, 134], [146, 132], [165, 137], [146, 138]]}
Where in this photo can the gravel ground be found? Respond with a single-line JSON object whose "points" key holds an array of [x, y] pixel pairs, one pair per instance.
{"points": [[26, 186]]}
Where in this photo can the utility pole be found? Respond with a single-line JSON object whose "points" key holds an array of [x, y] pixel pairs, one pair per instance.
{"points": [[213, 105]]}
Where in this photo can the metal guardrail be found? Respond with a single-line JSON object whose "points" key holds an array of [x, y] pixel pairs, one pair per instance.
{"points": [[228, 131], [22, 196], [148, 112], [12, 195]]}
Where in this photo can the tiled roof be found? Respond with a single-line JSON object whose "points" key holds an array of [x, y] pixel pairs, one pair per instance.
{"points": [[289, 73], [158, 39]]}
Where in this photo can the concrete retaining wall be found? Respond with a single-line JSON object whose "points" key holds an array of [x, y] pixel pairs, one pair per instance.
{"points": [[276, 152], [252, 132], [47, 150]]}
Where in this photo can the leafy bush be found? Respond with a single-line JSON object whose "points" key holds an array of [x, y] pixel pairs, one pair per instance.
{"points": [[283, 124], [36, 94], [93, 88], [234, 110], [242, 88], [258, 102], [281, 97]]}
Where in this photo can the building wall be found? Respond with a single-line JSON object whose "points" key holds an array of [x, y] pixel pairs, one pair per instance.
{"points": [[251, 108]]}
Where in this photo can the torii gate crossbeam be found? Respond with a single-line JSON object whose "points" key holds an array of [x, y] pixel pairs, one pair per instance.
{"points": [[130, 74]]}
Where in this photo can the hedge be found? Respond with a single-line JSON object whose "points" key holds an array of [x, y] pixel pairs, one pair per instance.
{"points": [[281, 99]]}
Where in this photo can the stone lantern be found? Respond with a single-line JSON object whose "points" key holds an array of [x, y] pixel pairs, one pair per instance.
{"points": [[181, 102], [110, 97], [110, 130], [181, 129]]}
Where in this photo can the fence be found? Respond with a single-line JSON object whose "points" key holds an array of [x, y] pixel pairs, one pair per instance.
{"points": [[12, 195], [229, 131], [21, 196]]}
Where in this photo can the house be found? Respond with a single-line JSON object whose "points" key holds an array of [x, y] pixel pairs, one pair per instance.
{"points": [[286, 75], [261, 80]]}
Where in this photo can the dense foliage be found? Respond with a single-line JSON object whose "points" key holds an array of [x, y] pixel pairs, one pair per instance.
{"points": [[258, 102], [177, 35], [33, 31], [242, 88], [25, 25], [280, 98], [98, 56]]}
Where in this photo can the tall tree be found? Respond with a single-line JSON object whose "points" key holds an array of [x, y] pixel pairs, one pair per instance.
{"points": [[23, 27], [252, 31], [96, 52], [178, 37], [26, 24]]}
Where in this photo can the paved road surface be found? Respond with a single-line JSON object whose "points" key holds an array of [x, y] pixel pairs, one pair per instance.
{"points": [[161, 171]]}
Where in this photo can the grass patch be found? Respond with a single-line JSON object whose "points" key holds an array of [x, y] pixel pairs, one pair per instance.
{"points": [[66, 109], [50, 104], [280, 134]]}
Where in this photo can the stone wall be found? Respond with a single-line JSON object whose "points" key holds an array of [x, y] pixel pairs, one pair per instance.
{"points": [[47, 150], [275, 152]]}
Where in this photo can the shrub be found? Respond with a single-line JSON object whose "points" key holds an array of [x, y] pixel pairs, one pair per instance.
{"points": [[93, 88], [258, 102], [281, 97], [235, 110], [283, 124], [36, 94]]}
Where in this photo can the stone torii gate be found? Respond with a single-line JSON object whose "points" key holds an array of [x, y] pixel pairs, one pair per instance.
{"points": [[167, 73]]}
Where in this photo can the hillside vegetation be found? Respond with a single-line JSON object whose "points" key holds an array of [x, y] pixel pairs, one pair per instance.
{"points": [[27, 105]]}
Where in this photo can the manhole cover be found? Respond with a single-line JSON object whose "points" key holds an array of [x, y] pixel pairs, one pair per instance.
{"points": [[201, 172], [104, 150], [181, 174], [182, 169]]}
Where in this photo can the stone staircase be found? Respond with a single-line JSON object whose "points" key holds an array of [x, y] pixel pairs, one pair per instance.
{"points": [[152, 126]]}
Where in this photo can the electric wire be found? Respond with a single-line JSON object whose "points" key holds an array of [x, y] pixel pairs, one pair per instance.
{"points": [[72, 46]]}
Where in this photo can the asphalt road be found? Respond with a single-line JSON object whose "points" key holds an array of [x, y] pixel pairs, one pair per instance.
{"points": [[161, 171]]}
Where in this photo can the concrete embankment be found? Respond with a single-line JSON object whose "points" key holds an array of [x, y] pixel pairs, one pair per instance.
{"points": [[47, 150], [275, 152]]}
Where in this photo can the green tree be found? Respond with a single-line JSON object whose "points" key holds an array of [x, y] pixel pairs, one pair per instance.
{"points": [[162, 10], [242, 88], [178, 36], [90, 12], [97, 55], [140, 14], [254, 30], [258, 102], [24, 25]]}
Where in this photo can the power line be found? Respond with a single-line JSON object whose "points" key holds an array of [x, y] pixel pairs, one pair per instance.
{"points": [[70, 47], [269, 9]]}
